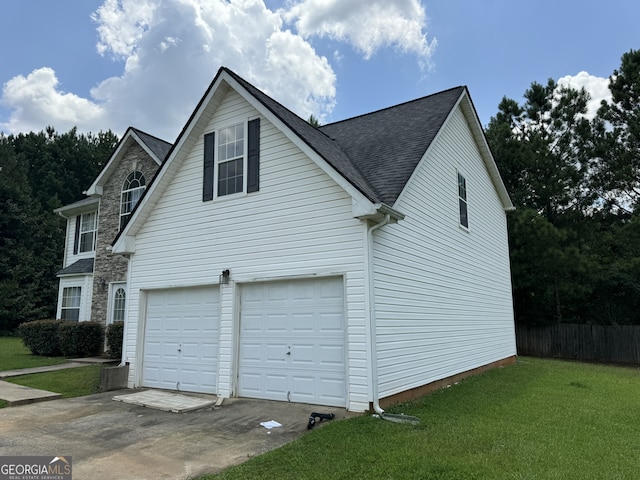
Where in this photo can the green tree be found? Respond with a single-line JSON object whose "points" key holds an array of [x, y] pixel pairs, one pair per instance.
{"points": [[314, 121], [617, 132], [539, 149], [40, 172]]}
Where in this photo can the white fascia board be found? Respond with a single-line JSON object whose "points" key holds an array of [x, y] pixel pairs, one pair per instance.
{"points": [[83, 206], [125, 244], [471, 115], [374, 211]]}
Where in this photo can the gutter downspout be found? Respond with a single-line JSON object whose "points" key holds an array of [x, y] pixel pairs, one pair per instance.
{"points": [[372, 315], [401, 418]]}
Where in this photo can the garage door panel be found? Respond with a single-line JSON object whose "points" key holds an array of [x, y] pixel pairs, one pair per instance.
{"points": [[331, 322], [275, 353], [331, 355], [181, 339], [251, 352], [303, 388], [332, 389], [299, 326], [303, 323], [275, 323], [275, 384], [303, 355]]}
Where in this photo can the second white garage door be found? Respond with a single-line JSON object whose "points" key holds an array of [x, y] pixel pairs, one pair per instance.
{"points": [[292, 341], [181, 339]]}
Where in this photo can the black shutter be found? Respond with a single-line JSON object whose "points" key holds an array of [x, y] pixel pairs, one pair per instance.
{"points": [[253, 161], [76, 240], [208, 173]]}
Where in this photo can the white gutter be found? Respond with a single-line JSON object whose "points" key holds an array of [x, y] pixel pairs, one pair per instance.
{"points": [[401, 418]]}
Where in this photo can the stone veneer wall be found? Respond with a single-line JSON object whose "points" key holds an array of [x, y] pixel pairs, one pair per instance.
{"points": [[108, 267]]}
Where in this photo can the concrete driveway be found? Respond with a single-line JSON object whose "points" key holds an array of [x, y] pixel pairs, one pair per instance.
{"points": [[111, 440]]}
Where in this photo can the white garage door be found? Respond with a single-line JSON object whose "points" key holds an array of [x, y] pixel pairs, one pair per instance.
{"points": [[181, 339], [292, 341]]}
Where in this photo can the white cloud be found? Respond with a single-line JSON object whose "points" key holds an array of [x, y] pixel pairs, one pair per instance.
{"points": [[171, 49], [597, 87], [37, 102], [366, 24], [121, 24]]}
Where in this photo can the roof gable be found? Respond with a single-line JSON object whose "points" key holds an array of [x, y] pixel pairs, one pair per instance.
{"points": [[155, 147], [373, 156], [330, 150]]}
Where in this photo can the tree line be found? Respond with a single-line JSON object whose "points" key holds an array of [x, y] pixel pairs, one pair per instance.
{"points": [[575, 181], [38, 173]]}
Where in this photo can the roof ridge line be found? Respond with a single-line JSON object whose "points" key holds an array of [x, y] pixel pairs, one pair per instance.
{"points": [[394, 106]]}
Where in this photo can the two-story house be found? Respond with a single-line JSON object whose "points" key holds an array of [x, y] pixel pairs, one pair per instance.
{"points": [[93, 281], [353, 265]]}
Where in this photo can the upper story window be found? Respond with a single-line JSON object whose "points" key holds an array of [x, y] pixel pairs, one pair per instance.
{"points": [[132, 189], [231, 160], [88, 227], [462, 201]]}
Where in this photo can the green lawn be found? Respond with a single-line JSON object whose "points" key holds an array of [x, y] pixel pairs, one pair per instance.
{"points": [[72, 382], [14, 355], [537, 419]]}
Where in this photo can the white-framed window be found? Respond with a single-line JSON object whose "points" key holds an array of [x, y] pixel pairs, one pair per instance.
{"points": [[70, 309], [462, 201], [231, 160], [119, 303], [88, 227], [132, 189]]}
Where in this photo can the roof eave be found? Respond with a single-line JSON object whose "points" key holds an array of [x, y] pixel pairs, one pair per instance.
{"points": [[468, 109]]}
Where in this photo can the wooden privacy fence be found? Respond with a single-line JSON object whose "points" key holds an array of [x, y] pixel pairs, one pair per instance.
{"points": [[599, 343]]}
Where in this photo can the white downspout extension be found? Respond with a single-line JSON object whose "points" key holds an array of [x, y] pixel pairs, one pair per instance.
{"points": [[372, 315]]}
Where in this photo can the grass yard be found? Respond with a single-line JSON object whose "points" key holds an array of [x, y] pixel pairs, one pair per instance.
{"points": [[537, 419], [14, 355], [71, 382]]}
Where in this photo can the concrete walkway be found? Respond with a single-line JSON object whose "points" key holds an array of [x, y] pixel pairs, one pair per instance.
{"points": [[20, 395]]}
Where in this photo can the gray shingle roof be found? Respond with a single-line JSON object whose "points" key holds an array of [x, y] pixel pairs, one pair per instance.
{"points": [[376, 152], [81, 266], [159, 147], [386, 146]]}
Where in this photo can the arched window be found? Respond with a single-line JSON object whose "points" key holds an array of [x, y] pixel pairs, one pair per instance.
{"points": [[119, 300], [132, 190]]}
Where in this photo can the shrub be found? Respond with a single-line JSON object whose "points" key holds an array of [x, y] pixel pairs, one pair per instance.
{"points": [[80, 339], [115, 333], [41, 337]]}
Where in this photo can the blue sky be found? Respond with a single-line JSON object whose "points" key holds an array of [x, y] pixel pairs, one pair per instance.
{"points": [[109, 64]]}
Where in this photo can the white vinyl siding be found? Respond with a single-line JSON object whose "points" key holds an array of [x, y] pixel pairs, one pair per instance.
{"points": [[443, 293], [299, 225]]}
